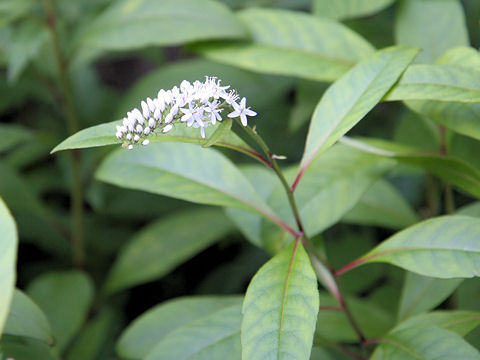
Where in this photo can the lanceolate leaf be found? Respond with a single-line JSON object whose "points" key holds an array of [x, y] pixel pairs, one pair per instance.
{"points": [[130, 24], [309, 47], [173, 317], [422, 293], [442, 82], [443, 247], [343, 9], [183, 171], [8, 259], [104, 134], [164, 245], [65, 298], [26, 319], [426, 343], [349, 99], [452, 170], [280, 308]]}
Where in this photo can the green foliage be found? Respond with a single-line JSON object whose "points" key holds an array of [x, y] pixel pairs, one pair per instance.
{"points": [[120, 249]]}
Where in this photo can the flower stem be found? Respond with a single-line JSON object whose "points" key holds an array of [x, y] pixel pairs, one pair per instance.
{"points": [[76, 191], [324, 271]]}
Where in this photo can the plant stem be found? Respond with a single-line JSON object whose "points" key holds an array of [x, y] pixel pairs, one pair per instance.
{"points": [[76, 191], [323, 270]]}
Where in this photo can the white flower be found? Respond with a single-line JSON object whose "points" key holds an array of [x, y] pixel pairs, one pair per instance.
{"points": [[198, 105], [242, 111]]}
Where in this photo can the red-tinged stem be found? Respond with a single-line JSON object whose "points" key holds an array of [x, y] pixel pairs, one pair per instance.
{"points": [[297, 179], [372, 341], [350, 266], [248, 152]]}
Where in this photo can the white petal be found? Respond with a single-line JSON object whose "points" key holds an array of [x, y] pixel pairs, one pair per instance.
{"points": [[202, 132], [250, 112], [233, 114], [243, 118]]}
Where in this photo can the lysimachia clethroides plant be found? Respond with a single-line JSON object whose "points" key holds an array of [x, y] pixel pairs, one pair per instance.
{"points": [[292, 300]]}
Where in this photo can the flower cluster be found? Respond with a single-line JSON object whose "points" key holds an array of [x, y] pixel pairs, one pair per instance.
{"points": [[199, 105]]}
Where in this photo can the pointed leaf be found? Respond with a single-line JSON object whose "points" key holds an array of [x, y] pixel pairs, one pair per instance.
{"points": [[310, 47], [104, 134], [382, 205], [422, 293], [158, 323], [26, 319], [183, 171], [221, 131], [129, 24], [8, 259], [165, 244], [443, 247], [426, 343], [458, 321], [349, 99], [280, 308], [345, 9], [65, 298], [446, 26], [213, 337]]}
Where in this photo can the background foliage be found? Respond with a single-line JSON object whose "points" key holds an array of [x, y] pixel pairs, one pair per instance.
{"points": [[120, 258]]}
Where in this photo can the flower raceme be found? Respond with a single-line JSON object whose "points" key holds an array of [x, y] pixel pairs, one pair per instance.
{"points": [[199, 105]]}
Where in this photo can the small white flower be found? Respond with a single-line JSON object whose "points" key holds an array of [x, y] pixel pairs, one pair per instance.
{"points": [[145, 142], [136, 138], [130, 147], [242, 111], [167, 128], [139, 128], [146, 131], [145, 110], [151, 123]]}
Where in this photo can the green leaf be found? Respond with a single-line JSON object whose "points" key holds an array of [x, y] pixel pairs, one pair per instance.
{"points": [[458, 321], [421, 293], [441, 82], [12, 136], [462, 55], [334, 326], [91, 340], [382, 205], [214, 337], [104, 134], [472, 209], [345, 9], [165, 244], [280, 308], [14, 347], [339, 178], [452, 170], [291, 43], [168, 318], [221, 131], [183, 171], [26, 319], [250, 224], [443, 247], [65, 298], [23, 45], [446, 26], [349, 99], [11, 10], [8, 259], [426, 343], [134, 24]]}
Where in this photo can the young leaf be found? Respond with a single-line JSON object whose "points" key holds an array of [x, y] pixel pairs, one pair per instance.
{"points": [[8, 259], [14, 347], [429, 343], [148, 330], [221, 131], [382, 205], [128, 24], [26, 319], [185, 172], [446, 28], [280, 308], [421, 293], [349, 99], [165, 244], [310, 47], [443, 247], [345, 9], [214, 337], [65, 298]]}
